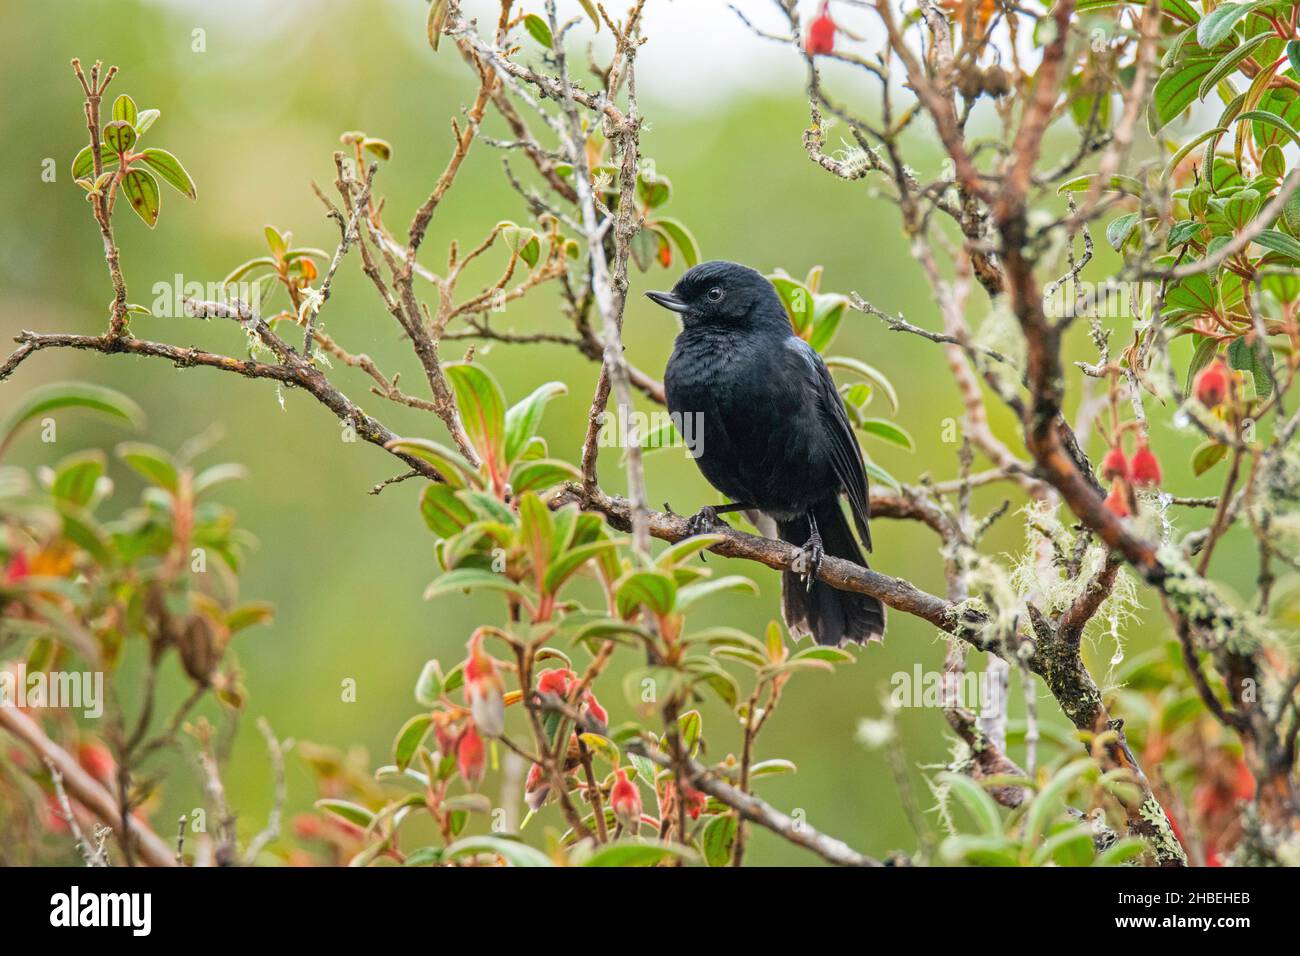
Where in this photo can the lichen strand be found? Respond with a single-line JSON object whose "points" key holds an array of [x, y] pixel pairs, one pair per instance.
{"points": [[1164, 845]]}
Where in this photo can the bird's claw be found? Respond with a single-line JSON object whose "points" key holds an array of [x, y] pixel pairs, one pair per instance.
{"points": [[703, 521], [809, 560]]}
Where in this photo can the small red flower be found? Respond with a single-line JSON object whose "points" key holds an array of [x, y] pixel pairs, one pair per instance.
{"points": [[96, 761], [1117, 500], [555, 681], [471, 758], [1211, 385], [625, 799], [484, 690], [1145, 467], [591, 708], [536, 788], [695, 799], [821, 31], [17, 569], [1114, 465]]}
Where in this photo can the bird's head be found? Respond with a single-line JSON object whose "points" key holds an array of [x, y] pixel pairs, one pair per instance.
{"points": [[724, 294]]}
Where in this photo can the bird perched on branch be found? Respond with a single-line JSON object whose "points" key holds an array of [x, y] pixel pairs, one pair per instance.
{"points": [[769, 430]]}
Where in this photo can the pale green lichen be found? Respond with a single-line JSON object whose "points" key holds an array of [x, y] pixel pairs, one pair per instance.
{"points": [[1162, 841]]}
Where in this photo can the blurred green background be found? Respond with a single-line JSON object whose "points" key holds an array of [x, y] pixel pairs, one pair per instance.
{"points": [[255, 118]]}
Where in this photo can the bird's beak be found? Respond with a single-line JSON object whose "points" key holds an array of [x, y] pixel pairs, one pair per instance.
{"points": [[668, 301]]}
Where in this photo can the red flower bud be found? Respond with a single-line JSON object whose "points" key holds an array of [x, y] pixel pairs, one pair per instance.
{"points": [[821, 32], [96, 761], [1114, 465], [1117, 500], [444, 732], [17, 569], [536, 788], [625, 799], [591, 708], [555, 681], [1211, 385], [484, 690], [307, 826], [695, 800], [1145, 469], [471, 759]]}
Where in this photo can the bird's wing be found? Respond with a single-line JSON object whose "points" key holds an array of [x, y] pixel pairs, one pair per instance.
{"points": [[846, 456]]}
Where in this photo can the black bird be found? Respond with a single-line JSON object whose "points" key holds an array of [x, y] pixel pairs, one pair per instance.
{"points": [[761, 415]]}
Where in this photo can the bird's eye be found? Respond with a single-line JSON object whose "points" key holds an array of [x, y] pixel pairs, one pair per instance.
{"points": [[715, 294]]}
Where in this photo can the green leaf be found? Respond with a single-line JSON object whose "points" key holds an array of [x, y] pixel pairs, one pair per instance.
{"points": [[144, 120], [141, 191], [636, 853], [1121, 852], [1293, 55], [681, 237], [888, 431], [979, 851], [828, 310], [1175, 91], [170, 169], [653, 589], [454, 470], [152, 463], [798, 301], [428, 686], [119, 136], [653, 190], [1071, 847], [1176, 9], [249, 615], [524, 418], [83, 165], [1120, 228], [868, 372], [691, 593], [686, 549], [1184, 232], [124, 109], [537, 28], [56, 396], [482, 410], [1216, 25], [209, 478], [542, 473], [1206, 456], [378, 147], [444, 512], [1228, 65], [76, 477], [1050, 800], [516, 854], [1280, 243], [472, 579], [1116, 184], [976, 799], [718, 839], [353, 813], [243, 269], [590, 9], [1263, 118], [690, 726], [568, 564], [409, 739]]}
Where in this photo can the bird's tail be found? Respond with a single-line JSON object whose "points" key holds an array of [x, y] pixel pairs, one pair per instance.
{"points": [[829, 615]]}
